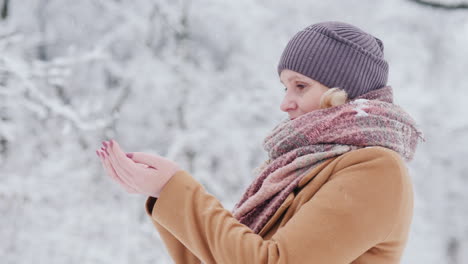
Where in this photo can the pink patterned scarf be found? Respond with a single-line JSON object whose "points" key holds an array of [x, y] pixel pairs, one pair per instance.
{"points": [[296, 146]]}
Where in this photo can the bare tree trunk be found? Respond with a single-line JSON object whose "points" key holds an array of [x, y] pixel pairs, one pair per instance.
{"points": [[182, 51], [453, 248], [4, 13], [42, 18]]}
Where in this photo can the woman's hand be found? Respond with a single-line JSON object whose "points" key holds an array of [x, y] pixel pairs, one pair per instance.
{"points": [[137, 172]]}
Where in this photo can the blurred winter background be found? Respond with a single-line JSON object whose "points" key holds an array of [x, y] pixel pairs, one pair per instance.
{"points": [[196, 81]]}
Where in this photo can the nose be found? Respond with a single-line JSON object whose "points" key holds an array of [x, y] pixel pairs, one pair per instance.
{"points": [[288, 104]]}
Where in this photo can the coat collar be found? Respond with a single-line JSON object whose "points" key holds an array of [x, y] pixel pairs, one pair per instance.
{"points": [[313, 172], [289, 199]]}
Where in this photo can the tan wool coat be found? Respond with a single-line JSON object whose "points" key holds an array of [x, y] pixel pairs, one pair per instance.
{"points": [[354, 208]]}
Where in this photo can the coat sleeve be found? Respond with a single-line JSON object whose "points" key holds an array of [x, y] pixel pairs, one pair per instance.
{"points": [[354, 210], [179, 253]]}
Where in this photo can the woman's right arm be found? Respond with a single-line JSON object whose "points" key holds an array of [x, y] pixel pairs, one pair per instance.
{"points": [[357, 208]]}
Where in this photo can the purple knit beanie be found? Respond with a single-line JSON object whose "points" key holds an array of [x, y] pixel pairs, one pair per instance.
{"points": [[337, 54]]}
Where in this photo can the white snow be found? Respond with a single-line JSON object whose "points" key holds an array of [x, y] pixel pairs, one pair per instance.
{"points": [[197, 83]]}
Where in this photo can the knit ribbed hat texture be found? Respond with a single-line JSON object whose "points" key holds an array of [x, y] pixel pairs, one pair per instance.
{"points": [[337, 54]]}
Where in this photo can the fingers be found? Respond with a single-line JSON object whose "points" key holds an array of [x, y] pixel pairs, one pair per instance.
{"points": [[111, 172], [120, 171], [114, 150], [128, 170], [123, 172], [145, 158], [138, 175]]}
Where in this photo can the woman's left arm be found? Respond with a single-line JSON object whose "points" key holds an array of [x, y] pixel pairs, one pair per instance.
{"points": [[353, 211], [179, 253]]}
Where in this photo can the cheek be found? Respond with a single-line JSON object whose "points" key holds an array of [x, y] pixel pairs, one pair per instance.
{"points": [[311, 101]]}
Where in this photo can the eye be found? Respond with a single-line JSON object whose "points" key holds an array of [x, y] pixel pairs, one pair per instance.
{"points": [[301, 86]]}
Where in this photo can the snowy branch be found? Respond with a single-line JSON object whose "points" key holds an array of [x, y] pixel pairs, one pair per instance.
{"points": [[24, 75], [441, 5]]}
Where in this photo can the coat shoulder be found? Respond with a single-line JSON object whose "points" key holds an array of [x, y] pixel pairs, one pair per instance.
{"points": [[385, 157], [377, 168]]}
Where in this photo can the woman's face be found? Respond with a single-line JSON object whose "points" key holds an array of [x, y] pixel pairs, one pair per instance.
{"points": [[302, 93]]}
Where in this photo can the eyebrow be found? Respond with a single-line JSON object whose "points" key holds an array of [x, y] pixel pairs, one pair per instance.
{"points": [[293, 77]]}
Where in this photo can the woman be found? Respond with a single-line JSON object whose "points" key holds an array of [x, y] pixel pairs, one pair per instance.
{"points": [[335, 188]]}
